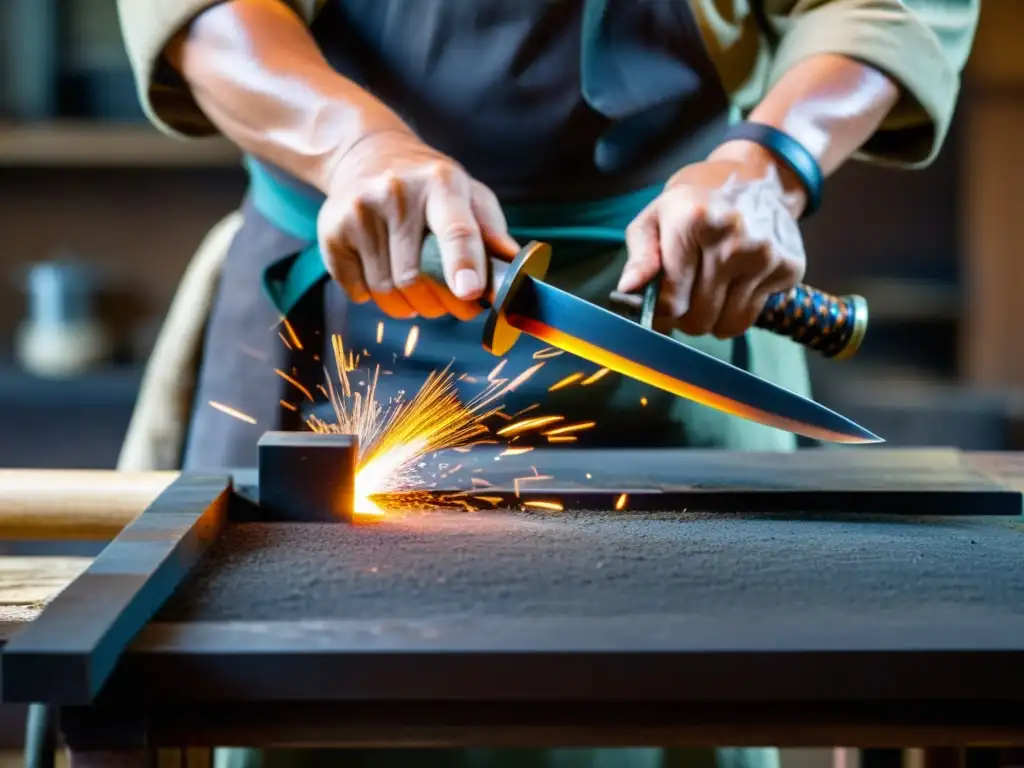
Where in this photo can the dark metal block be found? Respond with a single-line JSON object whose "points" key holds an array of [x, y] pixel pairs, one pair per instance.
{"points": [[307, 476]]}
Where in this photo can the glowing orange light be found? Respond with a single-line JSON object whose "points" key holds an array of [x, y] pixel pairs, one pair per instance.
{"points": [[654, 378], [516, 451], [572, 378], [620, 503], [570, 428], [527, 425], [294, 383], [380, 331], [411, 340], [596, 376], [552, 506], [394, 438], [291, 333]]}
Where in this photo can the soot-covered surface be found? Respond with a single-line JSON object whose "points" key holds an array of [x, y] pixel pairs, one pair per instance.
{"points": [[516, 565]]}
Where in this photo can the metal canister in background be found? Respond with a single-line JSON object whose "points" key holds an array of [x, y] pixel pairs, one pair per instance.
{"points": [[61, 334]]}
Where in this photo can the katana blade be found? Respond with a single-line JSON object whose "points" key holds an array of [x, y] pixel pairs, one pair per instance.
{"points": [[621, 345]]}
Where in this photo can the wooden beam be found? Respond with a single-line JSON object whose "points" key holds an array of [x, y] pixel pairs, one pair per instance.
{"points": [[79, 505]]}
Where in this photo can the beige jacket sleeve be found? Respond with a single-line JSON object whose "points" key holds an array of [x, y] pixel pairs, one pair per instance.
{"points": [[922, 45]]}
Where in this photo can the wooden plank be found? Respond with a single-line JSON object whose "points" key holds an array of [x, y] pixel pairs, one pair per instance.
{"points": [[77, 505], [66, 654], [35, 581], [27, 584]]}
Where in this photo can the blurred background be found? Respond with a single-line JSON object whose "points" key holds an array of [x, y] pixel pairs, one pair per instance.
{"points": [[99, 215]]}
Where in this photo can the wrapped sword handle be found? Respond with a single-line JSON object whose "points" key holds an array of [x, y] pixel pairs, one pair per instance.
{"points": [[833, 326]]}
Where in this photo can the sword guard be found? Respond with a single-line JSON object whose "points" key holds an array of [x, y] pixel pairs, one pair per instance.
{"points": [[834, 326], [503, 281]]}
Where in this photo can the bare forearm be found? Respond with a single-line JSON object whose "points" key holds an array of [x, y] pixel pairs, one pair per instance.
{"points": [[257, 73], [831, 104]]}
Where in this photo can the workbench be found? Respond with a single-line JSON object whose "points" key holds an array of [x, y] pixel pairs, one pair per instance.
{"points": [[542, 628]]}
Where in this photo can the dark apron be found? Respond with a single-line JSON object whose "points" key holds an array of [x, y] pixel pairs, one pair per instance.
{"points": [[633, 98]]}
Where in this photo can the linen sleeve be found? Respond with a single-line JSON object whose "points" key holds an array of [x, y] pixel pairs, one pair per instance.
{"points": [[922, 45]]}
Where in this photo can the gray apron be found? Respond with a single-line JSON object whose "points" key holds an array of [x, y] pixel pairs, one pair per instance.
{"points": [[544, 101]]}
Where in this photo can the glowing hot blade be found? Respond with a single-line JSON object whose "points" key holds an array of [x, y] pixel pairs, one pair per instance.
{"points": [[608, 340]]}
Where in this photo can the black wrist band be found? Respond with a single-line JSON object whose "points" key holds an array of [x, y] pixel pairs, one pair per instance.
{"points": [[787, 151]]}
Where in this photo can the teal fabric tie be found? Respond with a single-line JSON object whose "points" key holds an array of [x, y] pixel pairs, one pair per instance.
{"points": [[571, 228]]}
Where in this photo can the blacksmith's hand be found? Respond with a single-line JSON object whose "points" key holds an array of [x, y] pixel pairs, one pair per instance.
{"points": [[384, 193], [724, 232]]}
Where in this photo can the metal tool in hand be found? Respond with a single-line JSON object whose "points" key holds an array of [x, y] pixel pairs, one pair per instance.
{"points": [[833, 326], [519, 301]]}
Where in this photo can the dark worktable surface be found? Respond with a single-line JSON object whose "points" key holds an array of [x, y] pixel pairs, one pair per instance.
{"points": [[858, 577], [521, 628]]}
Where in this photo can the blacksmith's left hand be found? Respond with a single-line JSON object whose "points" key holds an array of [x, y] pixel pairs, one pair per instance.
{"points": [[724, 232]]}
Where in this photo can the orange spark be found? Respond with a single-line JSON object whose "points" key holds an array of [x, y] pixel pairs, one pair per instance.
{"points": [[289, 406], [294, 383], [553, 506], [518, 481], [411, 339], [232, 412], [395, 439], [493, 500], [643, 401], [596, 376], [620, 503], [572, 378], [570, 428], [562, 439], [291, 333], [380, 331], [527, 425], [516, 451], [547, 353], [284, 340], [497, 369]]}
